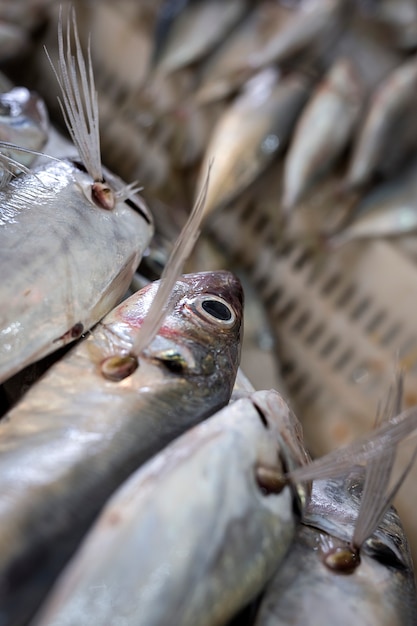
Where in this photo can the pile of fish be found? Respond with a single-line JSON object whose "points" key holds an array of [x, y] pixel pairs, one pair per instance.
{"points": [[145, 481]]}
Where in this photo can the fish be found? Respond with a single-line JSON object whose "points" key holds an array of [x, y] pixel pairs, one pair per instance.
{"points": [[71, 235], [350, 560], [305, 591], [251, 132], [316, 21], [186, 31], [23, 121], [388, 133], [195, 533], [227, 68], [388, 210], [323, 130], [90, 421], [400, 20]]}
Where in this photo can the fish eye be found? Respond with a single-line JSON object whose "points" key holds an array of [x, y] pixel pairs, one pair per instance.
{"points": [[214, 307], [384, 554]]}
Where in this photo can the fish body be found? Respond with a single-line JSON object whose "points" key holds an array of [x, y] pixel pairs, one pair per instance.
{"points": [[190, 538], [251, 132], [228, 67], [323, 130], [65, 261], [194, 31], [389, 130], [23, 121], [314, 22], [75, 435], [388, 210], [305, 592]]}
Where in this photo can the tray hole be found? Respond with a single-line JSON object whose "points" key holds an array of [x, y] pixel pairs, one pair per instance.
{"points": [[301, 322], [261, 283], [273, 298], [375, 321], [297, 385], [346, 295], [391, 334], [344, 359], [331, 284], [329, 347], [315, 334], [285, 248], [302, 259], [261, 223], [287, 368], [286, 310], [360, 309]]}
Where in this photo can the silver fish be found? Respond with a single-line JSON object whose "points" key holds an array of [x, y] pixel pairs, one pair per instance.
{"points": [[23, 121], [306, 592], [71, 236], [315, 21], [350, 560], [194, 31], [251, 132], [323, 130], [65, 261], [389, 130], [194, 535], [390, 209], [76, 435], [228, 68]]}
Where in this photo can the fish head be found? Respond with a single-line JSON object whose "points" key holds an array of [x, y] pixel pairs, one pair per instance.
{"points": [[200, 337], [289, 451]]}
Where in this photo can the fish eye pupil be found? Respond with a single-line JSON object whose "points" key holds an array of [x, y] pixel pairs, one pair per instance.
{"points": [[217, 309]]}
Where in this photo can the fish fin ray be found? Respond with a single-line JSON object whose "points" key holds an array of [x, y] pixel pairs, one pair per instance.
{"points": [[79, 102], [162, 301]]}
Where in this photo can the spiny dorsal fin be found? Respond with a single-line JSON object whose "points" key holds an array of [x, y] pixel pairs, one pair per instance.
{"points": [[183, 246], [79, 97], [354, 456], [375, 496]]}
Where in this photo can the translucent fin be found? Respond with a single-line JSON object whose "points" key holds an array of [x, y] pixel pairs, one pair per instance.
{"points": [[128, 191], [375, 499], [352, 457], [79, 97], [162, 302], [361, 535], [11, 167]]}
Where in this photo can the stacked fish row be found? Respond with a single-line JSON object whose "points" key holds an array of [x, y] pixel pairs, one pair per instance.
{"points": [[90, 422], [307, 110]]}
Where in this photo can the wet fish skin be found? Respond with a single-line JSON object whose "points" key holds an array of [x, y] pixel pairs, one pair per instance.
{"points": [[75, 436], [380, 592], [192, 527], [250, 133], [323, 130], [65, 261], [389, 131], [23, 121]]}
